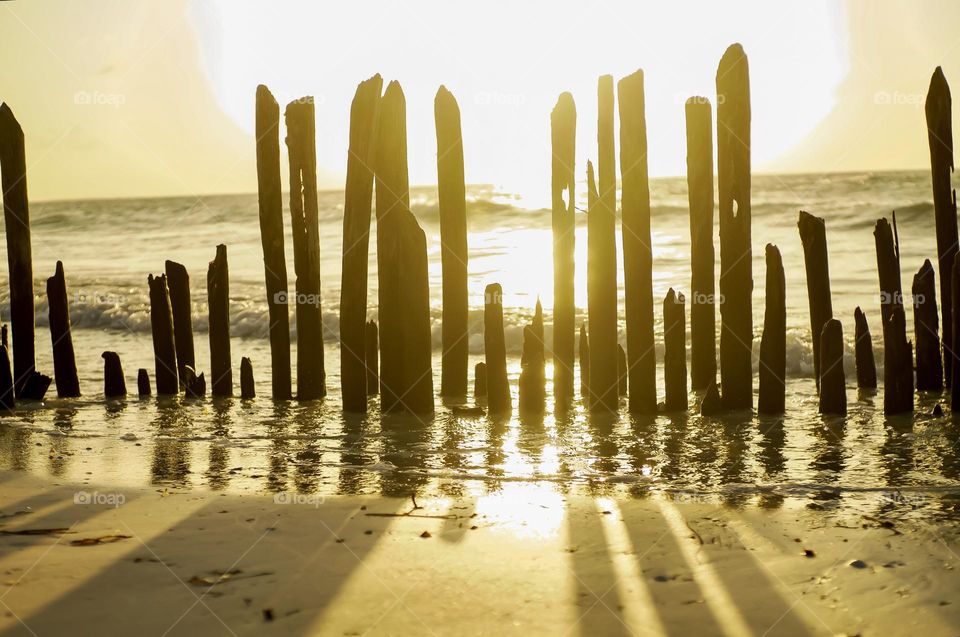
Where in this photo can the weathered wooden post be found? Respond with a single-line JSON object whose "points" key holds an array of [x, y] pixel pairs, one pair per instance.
{"points": [[143, 383], [532, 398], [773, 343], [813, 235], [248, 389], [584, 365], [194, 385], [114, 385], [495, 351], [28, 384], [563, 125], [622, 370], [302, 151], [64, 361], [181, 306], [703, 335], [674, 352], [371, 357], [354, 374], [866, 367], [601, 299], [480, 380], [925, 329], [271, 236], [955, 327], [897, 353], [940, 137], [833, 391], [736, 276], [7, 398], [218, 301], [453, 244], [164, 348], [637, 252]]}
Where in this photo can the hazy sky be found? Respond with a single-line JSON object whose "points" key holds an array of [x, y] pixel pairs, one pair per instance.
{"points": [[134, 97]]}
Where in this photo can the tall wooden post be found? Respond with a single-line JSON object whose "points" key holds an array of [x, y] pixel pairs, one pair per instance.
{"points": [[364, 114], [897, 352], [813, 235], [602, 291], [833, 391], [302, 151], [940, 137], [563, 125], [532, 391], [181, 305], [773, 343], [218, 300], [271, 236], [64, 361], [866, 366], [453, 244], [703, 335], [925, 329], [736, 275], [674, 352], [495, 351], [637, 252], [164, 347]]}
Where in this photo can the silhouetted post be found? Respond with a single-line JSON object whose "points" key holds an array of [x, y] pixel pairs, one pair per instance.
{"points": [[622, 370], [7, 398], [248, 389], [4, 336], [371, 355], [16, 216], [64, 361], [178, 286], [271, 237], [925, 329], [532, 375], [674, 352], [940, 138], [955, 317], [218, 301], [453, 244], [302, 151], [773, 343], [637, 253], [364, 113], [601, 300], [114, 385], [495, 351], [406, 379], [897, 354], [164, 348], [584, 364], [194, 385], [480, 380], [736, 276], [833, 391], [143, 383], [866, 367], [813, 234], [703, 335], [563, 125]]}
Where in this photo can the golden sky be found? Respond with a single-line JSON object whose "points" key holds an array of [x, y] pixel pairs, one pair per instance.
{"points": [[136, 97]]}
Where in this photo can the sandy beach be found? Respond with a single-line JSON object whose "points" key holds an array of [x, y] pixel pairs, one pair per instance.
{"points": [[158, 561]]}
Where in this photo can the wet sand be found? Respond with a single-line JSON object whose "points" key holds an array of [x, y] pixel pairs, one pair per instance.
{"points": [[199, 562]]}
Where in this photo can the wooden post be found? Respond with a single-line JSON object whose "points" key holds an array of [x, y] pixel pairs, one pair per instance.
{"points": [[16, 216], [495, 351], [248, 388], [354, 374], [178, 286], [866, 367], [302, 151], [584, 365], [925, 330], [897, 354], [453, 244], [114, 385], [955, 327], [637, 252], [773, 343], [271, 236], [938, 110], [674, 352], [813, 234], [164, 348], [218, 301], [7, 397], [736, 275], [406, 379], [532, 375], [371, 353], [622, 370], [563, 125], [64, 361], [194, 385], [703, 335], [833, 391], [480, 380], [143, 383]]}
